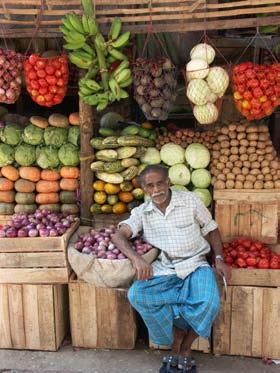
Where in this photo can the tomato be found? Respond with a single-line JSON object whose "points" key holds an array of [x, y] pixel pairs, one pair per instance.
{"points": [[61, 91], [58, 73], [246, 104], [32, 74], [53, 89], [34, 93], [243, 255], [247, 243], [247, 95], [33, 59], [40, 99], [277, 89], [251, 262], [27, 66], [40, 64], [263, 98], [228, 259], [267, 105], [233, 253], [51, 79], [226, 245], [34, 84], [257, 92], [50, 70], [49, 96], [264, 84], [253, 83], [255, 112], [237, 96], [250, 74], [43, 90], [41, 73], [241, 263], [241, 88], [60, 82], [64, 69], [56, 64], [271, 76], [274, 264], [263, 264], [57, 99], [269, 91], [258, 245], [43, 83]]}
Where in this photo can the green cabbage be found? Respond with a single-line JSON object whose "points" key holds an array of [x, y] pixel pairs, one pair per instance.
{"points": [[47, 157], [68, 155], [172, 154], [74, 135], [179, 174], [25, 154], [55, 136], [151, 156], [197, 155], [201, 178], [204, 195], [11, 134], [6, 155], [179, 187], [33, 135]]}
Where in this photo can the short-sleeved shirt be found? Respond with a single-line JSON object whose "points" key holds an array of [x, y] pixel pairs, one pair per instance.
{"points": [[178, 233]]}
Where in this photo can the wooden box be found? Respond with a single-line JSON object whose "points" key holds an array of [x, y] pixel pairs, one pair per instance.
{"points": [[100, 317], [200, 344], [248, 323], [33, 317], [248, 213], [36, 259]]}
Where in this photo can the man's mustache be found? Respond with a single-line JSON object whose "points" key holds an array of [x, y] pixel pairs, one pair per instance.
{"points": [[158, 194]]}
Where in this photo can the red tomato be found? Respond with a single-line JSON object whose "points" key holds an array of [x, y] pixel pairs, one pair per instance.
{"points": [[247, 243], [241, 79], [40, 99], [57, 99], [33, 59], [243, 255], [274, 264], [267, 105], [257, 92], [43, 83], [43, 91], [228, 259], [269, 91], [263, 98], [241, 88], [258, 245], [247, 95], [271, 76], [263, 264], [250, 74], [34, 93], [264, 84], [233, 253], [60, 82], [27, 66], [41, 73], [241, 263], [34, 84], [251, 261], [53, 89], [64, 69], [56, 64], [58, 73], [51, 79], [226, 245], [40, 64], [32, 74], [50, 70], [61, 91], [49, 96], [253, 83]]}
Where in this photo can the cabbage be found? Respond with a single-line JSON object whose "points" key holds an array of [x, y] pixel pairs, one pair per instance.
{"points": [[197, 155], [33, 135], [68, 155], [74, 135], [151, 156], [206, 114], [47, 157], [197, 69], [6, 155], [179, 187], [204, 195], [171, 154], [218, 80], [198, 91], [203, 51], [25, 154], [201, 178], [179, 174], [55, 136], [11, 134]]}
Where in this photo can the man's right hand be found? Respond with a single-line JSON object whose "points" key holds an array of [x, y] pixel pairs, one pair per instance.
{"points": [[143, 269]]}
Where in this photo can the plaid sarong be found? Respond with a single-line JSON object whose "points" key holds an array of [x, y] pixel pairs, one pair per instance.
{"points": [[164, 301]]}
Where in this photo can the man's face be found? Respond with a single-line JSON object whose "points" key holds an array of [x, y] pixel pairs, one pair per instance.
{"points": [[156, 185]]}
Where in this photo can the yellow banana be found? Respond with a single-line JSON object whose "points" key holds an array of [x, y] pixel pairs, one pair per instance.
{"points": [[122, 40]]}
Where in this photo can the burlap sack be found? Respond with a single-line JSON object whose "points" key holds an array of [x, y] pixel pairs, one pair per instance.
{"points": [[103, 272]]}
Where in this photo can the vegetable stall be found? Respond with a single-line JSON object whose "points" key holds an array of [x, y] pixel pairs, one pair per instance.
{"points": [[61, 169]]}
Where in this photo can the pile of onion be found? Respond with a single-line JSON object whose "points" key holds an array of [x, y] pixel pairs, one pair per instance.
{"points": [[42, 223], [10, 76], [99, 244]]}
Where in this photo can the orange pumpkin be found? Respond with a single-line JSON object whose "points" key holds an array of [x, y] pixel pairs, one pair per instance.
{"points": [[119, 208], [44, 186], [24, 186], [100, 197], [47, 198], [98, 185], [69, 184], [50, 175], [30, 173], [6, 184], [125, 197], [10, 172], [7, 197], [69, 172], [111, 188]]}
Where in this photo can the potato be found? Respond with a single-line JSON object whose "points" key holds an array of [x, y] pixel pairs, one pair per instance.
{"points": [[234, 150], [221, 177], [226, 171], [273, 171], [251, 150], [268, 177], [238, 164], [275, 164], [253, 143], [264, 163], [253, 157], [260, 158], [268, 142], [240, 128], [223, 158], [230, 176], [277, 184], [244, 157], [225, 151], [265, 170], [225, 144], [260, 177], [221, 138], [261, 145], [216, 146], [229, 165], [244, 142], [238, 185], [233, 157], [229, 184], [224, 130], [241, 136], [245, 170], [260, 151], [278, 173], [242, 150], [214, 162], [269, 149], [248, 185], [234, 142], [255, 164], [258, 184], [252, 136], [251, 178], [236, 170], [216, 154], [255, 171], [232, 127], [252, 128], [269, 157], [246, 164], [240, 177], [263, 136], [215, 172], [232, 135], [268, 185], [263, 128], [220, 166], [220, 184], [213, 180]]}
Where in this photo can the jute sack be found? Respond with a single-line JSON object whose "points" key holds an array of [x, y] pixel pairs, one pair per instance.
{"points": [[103, 272]]}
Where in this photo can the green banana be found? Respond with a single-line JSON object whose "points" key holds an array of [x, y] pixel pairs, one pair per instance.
{"points": [[85, 24], [115, 29], [83, 55], [88, 49], [64, 29], [66, 23], [92, 25], [123, 65], [74, 37], [123, 94], [114, 87], [85, 91], [117, 54], [123, 75], [79, 62], [121, 41], [93, 71], [111, 60], [102, 105], [76, 22], [100, 42], [88, 7], [73, 46], [126, 82], [93, 85]]}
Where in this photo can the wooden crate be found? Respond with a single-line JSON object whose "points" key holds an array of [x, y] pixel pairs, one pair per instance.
{"points": [[35, 260], [101, 317], [5, 219], [200, 344], [33, 317], [248, 213], [248, 323]]}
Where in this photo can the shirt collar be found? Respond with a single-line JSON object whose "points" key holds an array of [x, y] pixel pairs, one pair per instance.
{"points": [[176, 200]]}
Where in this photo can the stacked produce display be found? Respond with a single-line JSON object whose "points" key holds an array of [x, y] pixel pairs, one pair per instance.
{"points": [[39, 165]]}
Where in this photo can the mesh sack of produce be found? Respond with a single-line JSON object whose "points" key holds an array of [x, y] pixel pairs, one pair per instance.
{"points": [[103, 272], [10, 76], [46, 78]]}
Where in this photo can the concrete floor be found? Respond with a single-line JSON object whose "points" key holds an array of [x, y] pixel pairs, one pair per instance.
{"points": [[140, 360]]}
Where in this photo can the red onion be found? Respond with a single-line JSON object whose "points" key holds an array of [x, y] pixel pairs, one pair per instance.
{"points": [[33, 233], [53, 232], [43, 232], [22, 233], [11, 233], [111, 256], [2, 233], [121, 256]]}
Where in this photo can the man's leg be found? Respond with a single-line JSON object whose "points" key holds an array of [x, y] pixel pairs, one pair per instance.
{"points": [[178, 335], [189, 337]]}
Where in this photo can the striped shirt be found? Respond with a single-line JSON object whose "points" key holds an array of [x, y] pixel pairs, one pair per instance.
{"points": [[178, 233]]}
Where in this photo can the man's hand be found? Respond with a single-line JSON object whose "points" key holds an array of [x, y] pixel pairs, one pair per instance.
{"points": [[144, 270], [223, 269]]}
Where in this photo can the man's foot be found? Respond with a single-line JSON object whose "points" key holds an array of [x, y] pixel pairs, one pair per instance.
{"points": [[169, 364], [186, 364]]}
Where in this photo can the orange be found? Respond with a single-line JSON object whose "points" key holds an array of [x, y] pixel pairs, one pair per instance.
{"points": [[125, 197], [147, 125], [112, 188], [119, 208], [100, 197], [98, 185], [107, 209]]}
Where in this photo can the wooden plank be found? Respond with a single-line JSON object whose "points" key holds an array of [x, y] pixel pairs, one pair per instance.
{"points": [[247, 195], [256, 221], [61, 307], [76, 315], [88, 310], [269, 232], [31, 317], [223, 219], [16, 316], [234, 225], [255, 277], [258, 315], [33, 260], [271, 325], [244, 220], [30, 275], [5, 334], [46, 317]]}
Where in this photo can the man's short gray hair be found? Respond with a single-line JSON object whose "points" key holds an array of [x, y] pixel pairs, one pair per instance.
{"points": [[153, 168]]}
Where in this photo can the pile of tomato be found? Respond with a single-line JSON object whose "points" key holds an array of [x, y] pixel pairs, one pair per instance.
{"points": [[46, 79], [245, 253], [256, 89]]}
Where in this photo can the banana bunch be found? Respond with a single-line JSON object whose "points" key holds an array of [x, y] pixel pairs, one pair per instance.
{"points": [[89, 50]]}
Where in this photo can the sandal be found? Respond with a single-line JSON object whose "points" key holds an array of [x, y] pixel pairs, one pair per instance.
{"points": [[169, 364], [186, 364]]}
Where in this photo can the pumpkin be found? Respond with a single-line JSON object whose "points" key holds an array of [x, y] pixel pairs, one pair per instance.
{"points": [[69, 172], [7, 208], [47, 198], [125, 197], [111, 188], [29, 209], [70, 208], [69, 184], [98, 185], [30, 173], [25, 198], [126, 186], [6, 184], [10, 172], [24, 186], [50, 175], [51, 207], [44, 186], [119, 208], [100, 197], [7, 196], [67, 197]]}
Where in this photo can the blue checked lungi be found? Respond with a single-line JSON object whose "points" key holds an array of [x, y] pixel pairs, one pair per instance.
{"points": [[164, 301]]}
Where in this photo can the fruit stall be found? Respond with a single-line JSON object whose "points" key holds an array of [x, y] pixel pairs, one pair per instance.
{"points": [[97, 107]]}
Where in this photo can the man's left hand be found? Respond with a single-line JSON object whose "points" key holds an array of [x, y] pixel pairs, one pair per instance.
{"points": [[223, 269]]}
